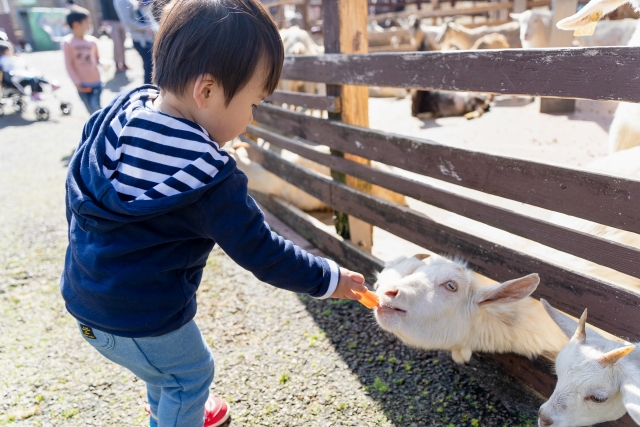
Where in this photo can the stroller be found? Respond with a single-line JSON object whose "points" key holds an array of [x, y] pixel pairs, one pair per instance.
{"points": [[14, 95]]}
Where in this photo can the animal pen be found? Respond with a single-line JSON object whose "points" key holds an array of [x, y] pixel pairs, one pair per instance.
{"points": [[585, 73]]}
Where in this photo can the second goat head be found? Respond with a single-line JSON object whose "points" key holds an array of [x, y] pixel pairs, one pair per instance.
{"points": [[598, 378]]}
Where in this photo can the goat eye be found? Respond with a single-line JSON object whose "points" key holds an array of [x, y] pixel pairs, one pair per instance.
{"points": [[597, 399], [451, 286]]}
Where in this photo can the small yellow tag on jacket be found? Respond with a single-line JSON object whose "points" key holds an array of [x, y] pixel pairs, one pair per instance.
{"points": [[87, 332]]}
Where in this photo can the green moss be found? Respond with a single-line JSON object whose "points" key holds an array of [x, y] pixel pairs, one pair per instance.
{"points": [[380, 385]]}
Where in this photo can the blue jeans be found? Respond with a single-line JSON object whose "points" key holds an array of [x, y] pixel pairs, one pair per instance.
{"points": [[91, 99], [177, 367]]}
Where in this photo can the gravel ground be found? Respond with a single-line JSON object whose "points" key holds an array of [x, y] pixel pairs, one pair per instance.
{"points": [[281, 359]]}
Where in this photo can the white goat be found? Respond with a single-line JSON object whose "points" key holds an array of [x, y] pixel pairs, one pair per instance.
{"points": [[535, 28], [463, 38], [610, 33], [624, 132], [297, 41], [491, 41], [433, 303], [598, 379], [266, 182]]}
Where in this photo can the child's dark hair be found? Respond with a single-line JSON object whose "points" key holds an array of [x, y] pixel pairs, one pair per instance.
{"points": [[77, 14], [228, 39]]}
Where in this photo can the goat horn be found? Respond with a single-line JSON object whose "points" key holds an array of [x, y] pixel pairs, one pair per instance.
{"points": [[608, 359], [580, 335], [421, 256]]}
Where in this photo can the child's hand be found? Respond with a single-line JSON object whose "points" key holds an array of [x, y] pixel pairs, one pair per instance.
{"points": [[349, 282]]}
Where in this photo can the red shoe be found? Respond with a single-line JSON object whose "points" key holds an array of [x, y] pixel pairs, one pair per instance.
{"points": [[216, 412]]}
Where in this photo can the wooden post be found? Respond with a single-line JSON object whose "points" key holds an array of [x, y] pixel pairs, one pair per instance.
{"points": [[305, 15], [345, 31], [559, 38], [519, 6], [502, 14]]}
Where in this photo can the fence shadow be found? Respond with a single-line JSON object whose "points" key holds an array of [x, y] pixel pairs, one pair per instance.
{"points": [[420, 388]]}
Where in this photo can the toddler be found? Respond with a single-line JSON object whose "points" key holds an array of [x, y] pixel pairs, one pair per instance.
{"points": [[150, 192], [82, 59]]}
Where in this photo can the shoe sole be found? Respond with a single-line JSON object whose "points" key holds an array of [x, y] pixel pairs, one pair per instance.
{"points": [[224, 420]]}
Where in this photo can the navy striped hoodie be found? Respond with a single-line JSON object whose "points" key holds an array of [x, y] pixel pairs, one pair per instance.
{"points": [[148, 196]]}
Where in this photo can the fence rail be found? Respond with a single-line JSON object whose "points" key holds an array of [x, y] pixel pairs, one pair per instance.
{"points": [[595, 197], [604, 73], [567, 290], [600, 251], [306, 100]]}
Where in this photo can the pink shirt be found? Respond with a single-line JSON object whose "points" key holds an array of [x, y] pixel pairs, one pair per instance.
{"points": [[82, 59]]}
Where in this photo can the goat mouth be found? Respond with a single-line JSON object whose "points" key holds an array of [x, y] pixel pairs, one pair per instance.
{"points": [[389, 308]]}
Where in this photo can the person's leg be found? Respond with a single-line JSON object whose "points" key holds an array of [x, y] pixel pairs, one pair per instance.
{"points": [[19, 83], [118, 35], [179, 363], [147, 60], [95, 99], [85, 97]]}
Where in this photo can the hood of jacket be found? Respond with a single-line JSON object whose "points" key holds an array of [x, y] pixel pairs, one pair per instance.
{"points": [[91, 198]]}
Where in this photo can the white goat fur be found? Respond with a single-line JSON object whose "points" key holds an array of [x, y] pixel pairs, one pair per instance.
{"points": [[297, 41], [583, 372], [265, 182], [535, 28], [463, 38], [624, 132], [499, 318], [592, 12]]}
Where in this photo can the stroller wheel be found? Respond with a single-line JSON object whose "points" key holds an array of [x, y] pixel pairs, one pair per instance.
{"points": [[65, 107], [19, 105], [42, 114]]}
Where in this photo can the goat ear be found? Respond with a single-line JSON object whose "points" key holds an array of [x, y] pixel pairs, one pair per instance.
{"points": [[631, 397], [510, 291], [580, 336], [421, 256], [515, 16], [611, 357], [567, 324], [592, 12], [395, 261]]}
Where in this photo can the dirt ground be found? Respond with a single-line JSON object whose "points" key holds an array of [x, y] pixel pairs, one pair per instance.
{"points": [[281, 360]]}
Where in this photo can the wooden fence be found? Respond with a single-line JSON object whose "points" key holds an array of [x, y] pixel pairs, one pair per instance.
{"points": [[587, 73]]}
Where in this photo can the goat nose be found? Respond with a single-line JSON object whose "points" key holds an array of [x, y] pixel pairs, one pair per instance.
{"points": [[392, 293], [543, 420]]}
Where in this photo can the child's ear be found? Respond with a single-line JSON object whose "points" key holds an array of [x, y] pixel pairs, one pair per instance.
{"points": [[204, 90]]}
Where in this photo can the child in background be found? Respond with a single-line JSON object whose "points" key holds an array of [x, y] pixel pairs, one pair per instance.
{"points": [[82, 59], [150, 192]]}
